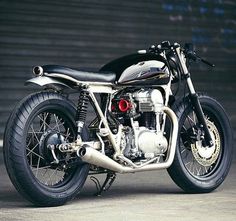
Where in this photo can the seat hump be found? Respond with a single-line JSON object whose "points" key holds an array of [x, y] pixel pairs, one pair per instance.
{"points": [[79, 74]]}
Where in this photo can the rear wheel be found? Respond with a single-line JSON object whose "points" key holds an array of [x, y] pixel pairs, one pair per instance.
{"points": [[38, 124], [196, 168]]}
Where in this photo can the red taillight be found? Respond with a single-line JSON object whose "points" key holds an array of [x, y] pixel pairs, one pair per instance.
{"points": [[124, 105]]}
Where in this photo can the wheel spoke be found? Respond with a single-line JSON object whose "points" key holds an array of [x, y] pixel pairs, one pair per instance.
{"points": [[44, 127], [47, 116], [193, 161], [194, 118], [67, 135], [50, 177], [191, 120], [34, 133], [31, 149], [182, 151], [57, 123], [36, 175], [197, 168], [44, 123], [40, 168]]}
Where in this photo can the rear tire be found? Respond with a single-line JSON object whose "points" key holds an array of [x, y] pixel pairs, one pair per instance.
{"points": [[196, 169], [39, 120]]}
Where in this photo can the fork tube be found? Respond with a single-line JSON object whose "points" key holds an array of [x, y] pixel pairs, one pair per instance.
{"points": [[195, 100]]}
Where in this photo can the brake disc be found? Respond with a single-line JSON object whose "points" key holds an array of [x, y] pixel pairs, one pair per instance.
{"points": [[206, 156]]}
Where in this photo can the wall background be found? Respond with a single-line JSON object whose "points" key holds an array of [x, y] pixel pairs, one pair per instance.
{"points": [[89, 33]]}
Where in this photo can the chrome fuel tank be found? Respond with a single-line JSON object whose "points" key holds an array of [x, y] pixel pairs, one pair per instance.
{"points": [[146, 72]]}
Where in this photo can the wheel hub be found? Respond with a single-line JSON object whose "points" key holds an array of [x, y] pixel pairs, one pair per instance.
{"points": [[49, 138], [206, 156]]}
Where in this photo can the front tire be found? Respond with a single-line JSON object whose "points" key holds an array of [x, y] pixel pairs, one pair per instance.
{"points": [[40, 120], [197, 169]]}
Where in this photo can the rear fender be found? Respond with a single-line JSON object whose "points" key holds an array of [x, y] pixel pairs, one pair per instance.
{"points": [[43, 81]]}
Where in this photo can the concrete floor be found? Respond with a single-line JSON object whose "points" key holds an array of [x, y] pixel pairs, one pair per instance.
{"points": [[140, 196]]}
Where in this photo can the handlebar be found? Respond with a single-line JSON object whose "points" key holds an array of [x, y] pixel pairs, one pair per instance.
{"points": [[191, 54], [207, 62], [187, 50]]}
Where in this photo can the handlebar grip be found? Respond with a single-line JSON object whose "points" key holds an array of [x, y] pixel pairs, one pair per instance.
{"points": [[192, 55], [207, 62]]}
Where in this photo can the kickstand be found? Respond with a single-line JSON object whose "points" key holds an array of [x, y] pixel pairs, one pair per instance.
{"points": [[106, 185]]}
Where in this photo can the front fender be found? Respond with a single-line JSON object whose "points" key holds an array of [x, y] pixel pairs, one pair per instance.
{"points": [[46, 81]]}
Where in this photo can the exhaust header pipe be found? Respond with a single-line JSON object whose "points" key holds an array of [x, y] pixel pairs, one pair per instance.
{"points": [[92, 156]]}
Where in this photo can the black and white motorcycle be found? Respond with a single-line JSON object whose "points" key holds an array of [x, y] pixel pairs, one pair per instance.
{"points": [[139, 124]]}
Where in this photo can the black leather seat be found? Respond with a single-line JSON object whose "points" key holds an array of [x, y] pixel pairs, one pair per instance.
{"points": [[80, 75]]}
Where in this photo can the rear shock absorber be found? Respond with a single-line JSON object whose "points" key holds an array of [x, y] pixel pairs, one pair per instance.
{"points": [[82, 111]]}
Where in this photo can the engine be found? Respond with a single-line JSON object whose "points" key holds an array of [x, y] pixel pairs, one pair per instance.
{"points": [[139, 112]]}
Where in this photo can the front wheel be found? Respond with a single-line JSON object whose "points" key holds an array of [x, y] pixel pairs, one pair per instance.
{"points": [[40, 121], [196, 168]]}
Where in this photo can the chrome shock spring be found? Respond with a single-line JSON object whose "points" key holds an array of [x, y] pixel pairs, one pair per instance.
{"points": [[82, 110]]}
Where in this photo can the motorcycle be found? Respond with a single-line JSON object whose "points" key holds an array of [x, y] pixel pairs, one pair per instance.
{"points": [[147, 116]]}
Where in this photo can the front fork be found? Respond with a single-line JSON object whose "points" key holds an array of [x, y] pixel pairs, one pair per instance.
{"points": [[195, 100]]}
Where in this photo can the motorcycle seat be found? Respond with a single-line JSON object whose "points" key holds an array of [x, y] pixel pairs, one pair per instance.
{"points": [[57, 70]]}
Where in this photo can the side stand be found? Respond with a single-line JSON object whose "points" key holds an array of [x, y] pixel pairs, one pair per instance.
{"points": [[106, 185]]}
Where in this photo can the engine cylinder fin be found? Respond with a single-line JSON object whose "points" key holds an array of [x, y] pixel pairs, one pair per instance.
{"points": [[145, 107]]}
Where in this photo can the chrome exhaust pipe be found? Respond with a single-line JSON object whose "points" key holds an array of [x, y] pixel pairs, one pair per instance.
{"points": [[92, 156], [38, 71]]}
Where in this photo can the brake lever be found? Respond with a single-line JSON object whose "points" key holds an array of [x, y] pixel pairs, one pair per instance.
{"points": [[192, 55], [207, 62]]}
